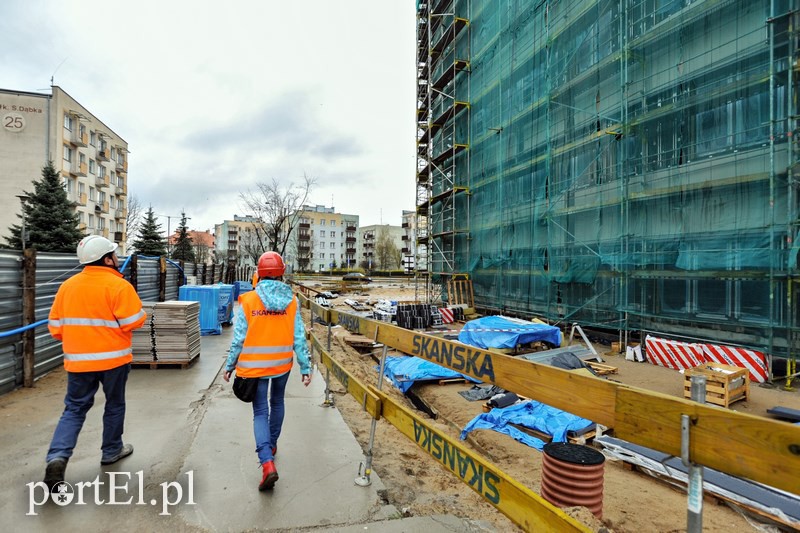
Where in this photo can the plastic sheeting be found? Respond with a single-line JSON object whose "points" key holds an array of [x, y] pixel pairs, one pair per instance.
{"points": [[405, 371], [502, 332], [530, 414], [209, 298]]}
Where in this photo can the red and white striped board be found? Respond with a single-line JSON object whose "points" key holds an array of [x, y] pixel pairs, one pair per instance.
{"points": [[447, 315], [755, 362], [673, 354]]}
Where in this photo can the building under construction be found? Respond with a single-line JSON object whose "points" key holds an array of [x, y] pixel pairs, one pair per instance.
{"points": [[626, 164]]}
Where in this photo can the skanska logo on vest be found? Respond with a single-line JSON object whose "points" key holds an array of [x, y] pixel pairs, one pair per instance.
{"points": [[266, 312]]}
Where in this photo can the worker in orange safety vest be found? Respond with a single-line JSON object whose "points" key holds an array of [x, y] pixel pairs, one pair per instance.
{"points": [[268, 332], [94, 315]]}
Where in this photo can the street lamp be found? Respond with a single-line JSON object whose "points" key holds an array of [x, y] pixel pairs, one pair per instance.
{"points": [[22, 237], [169, 234]]}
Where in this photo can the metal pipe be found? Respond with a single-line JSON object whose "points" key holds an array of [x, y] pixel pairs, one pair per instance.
{"points": [[694, 517], [363, 479], [328, 402]]}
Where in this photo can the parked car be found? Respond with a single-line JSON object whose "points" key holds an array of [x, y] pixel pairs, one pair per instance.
{"points": [[356, 276]]}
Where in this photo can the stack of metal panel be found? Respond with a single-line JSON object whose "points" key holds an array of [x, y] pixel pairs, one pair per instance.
{"points": [[176, 331], [143, 336]]}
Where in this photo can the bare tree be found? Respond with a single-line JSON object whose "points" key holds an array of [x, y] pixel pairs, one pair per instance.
{"points": [[277, 210], [133, 219], [386, 251]]}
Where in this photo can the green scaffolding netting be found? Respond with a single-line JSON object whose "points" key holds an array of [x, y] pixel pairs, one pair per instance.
{"points": [[626, 164]]}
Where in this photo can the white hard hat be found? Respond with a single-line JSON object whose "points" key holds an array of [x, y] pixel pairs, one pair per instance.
{"points": [[93, 247]]}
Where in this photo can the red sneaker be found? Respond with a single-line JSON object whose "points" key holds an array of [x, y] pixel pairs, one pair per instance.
{"points": [[270, 476]]}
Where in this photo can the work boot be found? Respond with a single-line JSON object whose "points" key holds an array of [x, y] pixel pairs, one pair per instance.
{"points": [[123, 452], [270, 476], [54, 473]]}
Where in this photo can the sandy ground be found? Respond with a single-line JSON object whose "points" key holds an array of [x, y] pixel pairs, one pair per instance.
{"points": [[417, 485]]}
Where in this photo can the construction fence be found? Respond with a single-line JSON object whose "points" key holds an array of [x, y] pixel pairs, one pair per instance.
{"points": [[154, 279]]}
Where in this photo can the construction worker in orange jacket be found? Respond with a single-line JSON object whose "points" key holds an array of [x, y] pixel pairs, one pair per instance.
{"points": [[268, 332], [94, 315]]}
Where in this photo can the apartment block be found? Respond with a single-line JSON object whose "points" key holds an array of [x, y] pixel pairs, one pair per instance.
{"points": [[322, 239], [371, 254], [239, 241], [90, 157]]}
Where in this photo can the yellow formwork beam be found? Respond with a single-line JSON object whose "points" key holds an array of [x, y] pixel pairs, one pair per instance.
{"points": [[370, 401], [756, 448]]}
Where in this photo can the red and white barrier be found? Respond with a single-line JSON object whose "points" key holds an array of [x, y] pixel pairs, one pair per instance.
{"points": [[447, 315], [673, 354], [755, 362]]}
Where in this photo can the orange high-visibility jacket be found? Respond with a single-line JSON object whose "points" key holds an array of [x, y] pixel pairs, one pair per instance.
{"points": [[94, 315], [268, 346]]}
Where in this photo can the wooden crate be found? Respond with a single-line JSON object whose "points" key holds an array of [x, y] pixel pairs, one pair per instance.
{"points": [[725, 384]]}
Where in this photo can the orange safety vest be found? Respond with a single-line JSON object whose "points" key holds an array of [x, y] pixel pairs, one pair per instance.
{"points": [[94, 315], [268, 346]]}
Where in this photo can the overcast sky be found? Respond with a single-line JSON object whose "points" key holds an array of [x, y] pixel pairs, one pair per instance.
{"points": [[216, 96]]}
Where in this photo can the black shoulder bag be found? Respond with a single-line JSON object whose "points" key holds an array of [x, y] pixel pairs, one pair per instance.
{"points": [[245, 388]]}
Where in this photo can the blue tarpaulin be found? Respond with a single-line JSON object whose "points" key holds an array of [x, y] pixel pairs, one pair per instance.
{"points": [[530, 414], [209, 298], [482, 332], [403, 371]]}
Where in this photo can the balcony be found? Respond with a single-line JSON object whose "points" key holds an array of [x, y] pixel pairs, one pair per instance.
{"points": [[121, 166], [120, 214], [102, 154], [350, 251], [404, 238], [103, 207], [105, 232], [81, 199], [121, 192], [303, 249], [304, 225], [405, 225], [81, 139], [81, 169], [406, 250], [304, 237], [82, 226], [350, 239], [102, 182], [351, 228], [119, 236]]}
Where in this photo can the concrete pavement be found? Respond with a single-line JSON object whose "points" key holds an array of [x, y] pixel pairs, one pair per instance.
{"points": [[194, 467]]}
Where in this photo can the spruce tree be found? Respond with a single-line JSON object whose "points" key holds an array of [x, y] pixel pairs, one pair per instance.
{"points": [[149, 241], [51, 223], [183, 245]]}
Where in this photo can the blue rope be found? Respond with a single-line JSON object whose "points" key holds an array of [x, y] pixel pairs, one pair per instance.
{"points": [[23, 328]]}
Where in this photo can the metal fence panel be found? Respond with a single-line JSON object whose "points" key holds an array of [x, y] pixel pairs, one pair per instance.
{"points": [[10, 319], [147, 286], [52, 270]]}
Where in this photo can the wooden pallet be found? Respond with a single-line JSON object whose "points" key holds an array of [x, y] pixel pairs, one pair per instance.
{"points": [[602, 369], [184, 364]]}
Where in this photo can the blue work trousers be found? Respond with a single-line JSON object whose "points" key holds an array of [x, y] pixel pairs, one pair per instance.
{"points": [[81, 388], [268, 412]]}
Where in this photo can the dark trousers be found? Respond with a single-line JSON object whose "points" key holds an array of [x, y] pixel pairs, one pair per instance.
{"points": [[81, 388]]}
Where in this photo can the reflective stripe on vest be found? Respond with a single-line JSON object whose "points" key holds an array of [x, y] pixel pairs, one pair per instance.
{"points": [[268, 348], [96, 356]]}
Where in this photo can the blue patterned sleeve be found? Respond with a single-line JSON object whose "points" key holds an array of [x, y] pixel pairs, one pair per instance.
{"points": [[239, 333], [300, 345]]}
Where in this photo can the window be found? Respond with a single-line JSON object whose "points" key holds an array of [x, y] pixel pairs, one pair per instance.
{"points": [[102, 197], [333, 246], [82, 158], [101, 223], [113, 178], [92, 194], [67, 153], [81, 216], [322, 245], [92, 167], [69, 185], [81, 188], [333, 256], [67, 121], [102, 170], [91, 221], [93, 139], [82, 129], [121, 182], [333, 223], [113, 154], [322, 222], [322, 233]]}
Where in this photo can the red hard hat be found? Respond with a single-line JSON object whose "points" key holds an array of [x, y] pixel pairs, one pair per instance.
{"points": [[270, 265]]}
